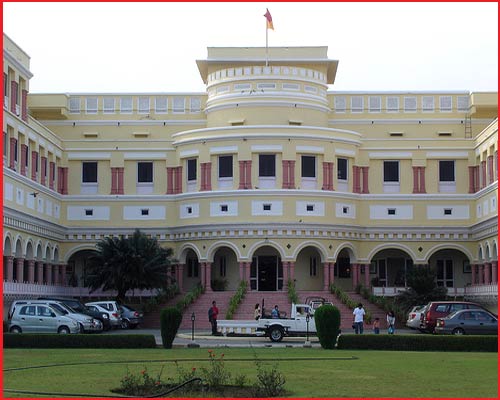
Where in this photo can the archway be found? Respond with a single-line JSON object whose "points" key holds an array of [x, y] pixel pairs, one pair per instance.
{"points": [[452, 268], [266, 270], [76, 270], [343, 269], [309, 270], [225, 270], [390, 268]]}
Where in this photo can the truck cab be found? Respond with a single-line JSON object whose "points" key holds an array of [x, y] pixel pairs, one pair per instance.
{"points": [[300, 322]]}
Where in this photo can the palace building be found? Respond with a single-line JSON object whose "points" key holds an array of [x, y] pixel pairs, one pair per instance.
{"points": [[269, 175]]}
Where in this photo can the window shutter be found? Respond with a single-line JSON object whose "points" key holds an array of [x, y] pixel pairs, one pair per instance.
{"points": [[428, 103], [393, 104], [24, 107], [357, 104], [445, 103], [340, 103], [13, 96], [410, 104]]}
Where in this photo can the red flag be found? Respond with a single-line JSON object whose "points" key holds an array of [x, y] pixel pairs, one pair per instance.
{"points": [[269, 20]]}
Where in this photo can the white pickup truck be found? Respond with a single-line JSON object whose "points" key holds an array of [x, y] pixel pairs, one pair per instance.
{"points": [[299, 323]]}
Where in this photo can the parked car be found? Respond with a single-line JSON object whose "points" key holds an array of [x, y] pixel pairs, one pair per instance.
{"points": [[468, 322], [131, 318], [440, 309], [111, 308], [413, 321], [85, 322], [40, 318], [76, 305]]}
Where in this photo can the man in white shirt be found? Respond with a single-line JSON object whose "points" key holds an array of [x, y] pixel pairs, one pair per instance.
{"points": [[359, 314]]}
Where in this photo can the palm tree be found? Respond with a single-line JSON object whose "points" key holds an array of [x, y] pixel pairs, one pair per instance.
{"points": [[123, 264]]}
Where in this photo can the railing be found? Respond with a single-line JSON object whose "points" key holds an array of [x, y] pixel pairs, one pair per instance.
{"points": [[478, 290], [387, 291], [482, 290], [34, 289]]}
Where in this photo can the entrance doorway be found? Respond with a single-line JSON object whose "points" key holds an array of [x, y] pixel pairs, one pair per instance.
{"points": [[266, 273]]}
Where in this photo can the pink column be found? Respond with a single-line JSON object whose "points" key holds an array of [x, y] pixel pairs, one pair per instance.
{"points": [[39, 272], [20, 269], [473, 268], [494, 272], [487, 273], [43, 167], [242, 175], [481, 274], [367, 276], [203, 275], [48, 274], [364, 171], [415, 180], [180, 277], [332, 273], [291, 181], [208, 176], [242, 271], [170, 180], [326, 276], [9, 264], [52, 174], [292, 270], [114, 181], [247, 267], [208, 277], [24, 154], [202, 177], [56, 274], [31, 271], [354, 275], [179, 179], [286, 174], [12, 152], [355, 179], [285, 273]]}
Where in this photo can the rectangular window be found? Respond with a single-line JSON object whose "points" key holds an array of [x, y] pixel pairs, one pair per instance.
{"points": [[89, 212], [447, 171], [222, 266], [145, 172], [225, 166], [392, 104], [374, 103], [267, 165], [410, 104], [391, 171], [143, 105], [179, 106], [445, 103], [447, 211], [144, 211], [91, 105], [340, 104], [345, 210], [313, 266], [310, 207], [342, 169], [192, 265], [74, 105], [391, 211], [161, 104], [89, 172], [308, 167], [428, 103], [195, 104], [266, 207], [357, 104], [108, 105], [463, 103], [126, 105], [191, 169], [15, 150], [224, 208]]}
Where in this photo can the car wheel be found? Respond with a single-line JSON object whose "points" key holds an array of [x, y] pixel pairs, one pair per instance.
{"points": [[125, 324], [64, 330], [276, 334], [458, 331], [82, 330], [134, 326], [16, 329]]}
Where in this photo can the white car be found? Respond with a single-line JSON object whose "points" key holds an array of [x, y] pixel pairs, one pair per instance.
{"points": [[110, 307], [413, 321], [40, 318]]}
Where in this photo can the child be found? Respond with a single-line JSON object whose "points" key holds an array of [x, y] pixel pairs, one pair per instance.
{"points": [[376, 326]]}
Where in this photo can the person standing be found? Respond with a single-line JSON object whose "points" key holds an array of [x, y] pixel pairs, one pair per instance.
{"points": [[391, 320], [376, 326], [256, 313], [213, 317], [359, 314]]}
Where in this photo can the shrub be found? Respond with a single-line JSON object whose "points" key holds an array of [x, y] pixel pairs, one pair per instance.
{"points": [[292, 293], [419, 343], [170, 320], [235, 301], [96, 341], [190, 297], [215, 375], [270, 383], [327, 319], [140, 385], [219, 285]]}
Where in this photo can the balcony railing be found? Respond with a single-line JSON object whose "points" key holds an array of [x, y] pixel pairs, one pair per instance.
{"points": [[34, 289], [478, 290]]}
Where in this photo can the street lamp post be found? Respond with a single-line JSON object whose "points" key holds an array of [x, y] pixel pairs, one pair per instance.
{"points": [[192, 344], [307, 343]]}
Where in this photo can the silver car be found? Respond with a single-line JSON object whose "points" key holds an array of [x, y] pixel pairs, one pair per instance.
{"points": [[413, 321], [109, 307], [41, 318], [468, 322]]}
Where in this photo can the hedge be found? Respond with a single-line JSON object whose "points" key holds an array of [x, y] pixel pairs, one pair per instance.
{"points": [[59, 341], [480, 343]]}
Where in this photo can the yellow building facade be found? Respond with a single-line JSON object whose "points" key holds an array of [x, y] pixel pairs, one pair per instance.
{"points": [[267, 176]]}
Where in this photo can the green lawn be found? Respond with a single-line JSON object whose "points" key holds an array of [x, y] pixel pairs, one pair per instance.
{"points": [[308, 372]]}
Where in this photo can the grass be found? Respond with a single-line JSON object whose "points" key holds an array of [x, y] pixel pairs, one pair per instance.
{"points": [[318, 374]]}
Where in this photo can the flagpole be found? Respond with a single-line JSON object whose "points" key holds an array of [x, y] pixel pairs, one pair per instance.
{"points": [[267, 48]]}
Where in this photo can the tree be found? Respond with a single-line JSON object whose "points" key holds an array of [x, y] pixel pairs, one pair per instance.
{"points": [[123, 264], [422, 288]]}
